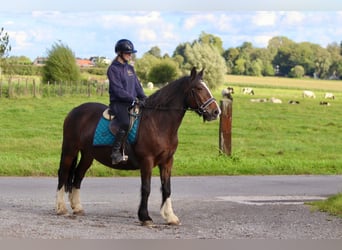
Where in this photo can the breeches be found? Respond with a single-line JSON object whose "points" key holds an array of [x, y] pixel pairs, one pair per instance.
{"points": [[120, 110]]}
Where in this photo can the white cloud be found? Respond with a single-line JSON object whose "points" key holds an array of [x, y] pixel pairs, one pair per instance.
{"points": [[264, 18], [262, 40], [147, 35], [20, 38], [224, 23], [197, 19], [293, 18]]}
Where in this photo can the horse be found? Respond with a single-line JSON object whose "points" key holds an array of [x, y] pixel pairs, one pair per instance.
{"points": [[155, 144]]}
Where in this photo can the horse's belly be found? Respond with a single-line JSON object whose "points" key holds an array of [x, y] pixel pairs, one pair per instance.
{"points": [[102, 155]]}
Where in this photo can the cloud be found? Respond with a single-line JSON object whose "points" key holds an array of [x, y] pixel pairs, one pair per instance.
{"points": [[21, 39], [264, 18], [262, 40], [147, 35], [197, 19], [293, 18]]}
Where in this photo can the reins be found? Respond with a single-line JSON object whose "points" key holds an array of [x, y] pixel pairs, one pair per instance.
{"points": [[201, 109]]}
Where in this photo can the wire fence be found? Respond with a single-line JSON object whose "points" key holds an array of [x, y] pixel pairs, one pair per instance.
{"points": [[25, 87]]}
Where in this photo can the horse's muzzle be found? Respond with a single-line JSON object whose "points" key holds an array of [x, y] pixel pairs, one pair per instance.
{"points": [[212, 114]]}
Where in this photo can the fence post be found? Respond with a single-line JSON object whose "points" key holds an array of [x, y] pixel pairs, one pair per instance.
{"points": [[225, 136], [34, 88]]}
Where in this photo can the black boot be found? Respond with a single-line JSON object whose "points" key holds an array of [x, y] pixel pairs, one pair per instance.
{"points": [[116, 155]]}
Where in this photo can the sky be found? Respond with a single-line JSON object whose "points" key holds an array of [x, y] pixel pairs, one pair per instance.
{"points": [[92, 29]]}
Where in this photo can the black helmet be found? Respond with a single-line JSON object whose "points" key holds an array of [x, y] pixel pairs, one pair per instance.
{"points": [[125, 46]]}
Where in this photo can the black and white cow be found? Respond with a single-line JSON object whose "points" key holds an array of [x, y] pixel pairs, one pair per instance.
{"points": [[248, 91], [227, 93]]}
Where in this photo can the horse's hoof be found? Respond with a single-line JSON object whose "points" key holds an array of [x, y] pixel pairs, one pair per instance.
{"points": [[147, 223], [79, 212], [174, 223], [62, 211]]}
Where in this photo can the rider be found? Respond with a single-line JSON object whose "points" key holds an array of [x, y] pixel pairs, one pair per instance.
{"points": [[124, 90]]}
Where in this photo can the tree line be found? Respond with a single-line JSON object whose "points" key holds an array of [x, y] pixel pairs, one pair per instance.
{"points": [[281, 57]]}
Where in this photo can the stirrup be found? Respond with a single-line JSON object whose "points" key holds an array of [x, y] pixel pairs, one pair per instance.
{"points": [[116, 159], [124, 156]]}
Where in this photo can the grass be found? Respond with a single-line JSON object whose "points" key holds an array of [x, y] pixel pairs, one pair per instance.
{"points": [[267, 138], [332, 205], [281, 82]]}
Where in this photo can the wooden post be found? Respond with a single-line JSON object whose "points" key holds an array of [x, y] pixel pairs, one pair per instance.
{"points": [[34, 89], [225, 136]]}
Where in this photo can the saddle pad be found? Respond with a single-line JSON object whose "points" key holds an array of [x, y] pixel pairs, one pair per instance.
{"points": [[104, 137]]}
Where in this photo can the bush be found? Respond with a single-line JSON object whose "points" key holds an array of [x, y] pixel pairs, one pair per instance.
{"points": [[163, 72], [61, 65], [297, 71]]}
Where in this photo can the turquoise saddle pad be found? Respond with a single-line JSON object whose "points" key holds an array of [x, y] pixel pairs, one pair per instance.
{"points": [[104, 137]]}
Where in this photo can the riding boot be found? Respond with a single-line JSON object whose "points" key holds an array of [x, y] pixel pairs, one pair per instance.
{"points": [[116, 155]]}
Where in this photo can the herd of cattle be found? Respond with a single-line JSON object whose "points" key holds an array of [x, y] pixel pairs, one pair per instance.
{"points": [[229, 91]]}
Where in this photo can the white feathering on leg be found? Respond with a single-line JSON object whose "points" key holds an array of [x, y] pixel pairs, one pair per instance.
{"points": [[167, 213]]}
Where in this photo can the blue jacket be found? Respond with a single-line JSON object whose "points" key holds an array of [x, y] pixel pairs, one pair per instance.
{"points": [[124, 85]]}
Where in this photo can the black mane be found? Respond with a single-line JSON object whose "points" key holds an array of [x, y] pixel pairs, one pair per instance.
{"points": [[171, 94]]}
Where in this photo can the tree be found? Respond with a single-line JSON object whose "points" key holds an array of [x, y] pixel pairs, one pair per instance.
{"points": [[155, 51], [205, 56], [61, 65], [277, 42], [335, 69], [144, 65], [297, 71], [165, 71], [5, 47], [230, 56], [210, 39]]}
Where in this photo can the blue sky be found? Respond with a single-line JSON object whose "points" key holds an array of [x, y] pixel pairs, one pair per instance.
{"points": [[91, 29]]}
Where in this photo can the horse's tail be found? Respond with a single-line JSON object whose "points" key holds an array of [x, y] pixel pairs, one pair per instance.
{"points": [[71, 175]]}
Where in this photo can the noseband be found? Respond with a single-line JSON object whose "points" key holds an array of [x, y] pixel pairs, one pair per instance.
{"points": [[201, 108]]}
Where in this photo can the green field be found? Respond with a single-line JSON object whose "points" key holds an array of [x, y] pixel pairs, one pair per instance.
{"points": [[266, 138]]}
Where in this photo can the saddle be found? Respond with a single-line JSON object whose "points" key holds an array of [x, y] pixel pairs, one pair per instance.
{"points": [[133, 113], [104, 134]]}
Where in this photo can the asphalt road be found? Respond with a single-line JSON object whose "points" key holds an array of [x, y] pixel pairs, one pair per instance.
{"points": [[223, 207]]}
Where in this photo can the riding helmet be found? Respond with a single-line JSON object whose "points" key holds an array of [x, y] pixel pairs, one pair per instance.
{"points": [[125, 46]]}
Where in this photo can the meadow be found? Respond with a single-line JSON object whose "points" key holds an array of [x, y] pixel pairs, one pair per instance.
{"points": [[267, 138]]}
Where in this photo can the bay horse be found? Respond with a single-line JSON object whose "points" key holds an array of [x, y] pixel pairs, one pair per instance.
{"points": [[155, 145]]}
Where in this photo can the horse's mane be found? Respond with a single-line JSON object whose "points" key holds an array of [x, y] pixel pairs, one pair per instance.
{"points": [[169, 94]]}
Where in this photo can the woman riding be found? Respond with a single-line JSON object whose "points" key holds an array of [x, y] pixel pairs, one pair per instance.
{"points": [[124, 91]]}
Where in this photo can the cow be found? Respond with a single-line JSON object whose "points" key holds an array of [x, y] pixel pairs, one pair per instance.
{"points": [[150, 85], [248, 91], [309, 94], [259, 100], [324, 103], [293, 102], [329, 96], [275, 100], [227, 93]]}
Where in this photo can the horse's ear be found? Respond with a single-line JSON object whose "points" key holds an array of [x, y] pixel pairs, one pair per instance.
{"points": [[193, 73], [200, 74]]}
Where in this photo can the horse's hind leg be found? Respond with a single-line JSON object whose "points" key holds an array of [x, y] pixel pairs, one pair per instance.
{"points": [[74, 195], [166, 210], [67, 164]]}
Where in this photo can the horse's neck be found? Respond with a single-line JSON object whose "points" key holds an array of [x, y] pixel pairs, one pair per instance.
{"points": [[166, 120]]}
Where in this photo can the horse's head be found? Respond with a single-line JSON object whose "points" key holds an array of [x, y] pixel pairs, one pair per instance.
{"points": [[200, 98]]}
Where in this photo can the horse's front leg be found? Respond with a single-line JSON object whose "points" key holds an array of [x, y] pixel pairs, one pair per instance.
{"points": [[61, 208], [166, 210], [146, 172]]}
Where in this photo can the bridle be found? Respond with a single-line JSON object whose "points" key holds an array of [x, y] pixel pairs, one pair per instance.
{"points": [[201, 108]]}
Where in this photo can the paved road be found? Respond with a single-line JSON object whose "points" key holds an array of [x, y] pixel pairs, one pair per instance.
{"points": [[224, 207]]}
